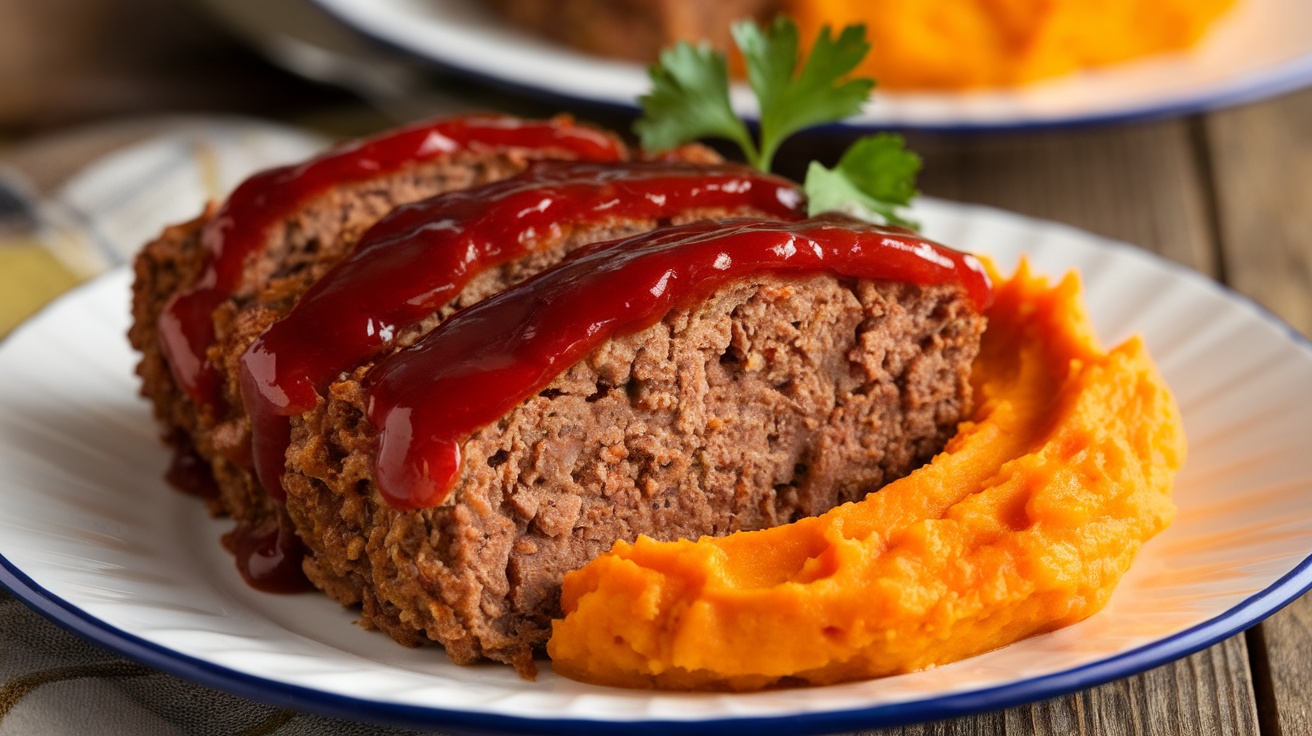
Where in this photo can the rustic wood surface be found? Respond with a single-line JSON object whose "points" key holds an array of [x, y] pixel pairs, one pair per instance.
{"points": [[1261, 169], [1228, 194]]}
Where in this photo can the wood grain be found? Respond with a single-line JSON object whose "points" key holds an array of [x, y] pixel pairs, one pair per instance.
{"points": [[1262, 168], [1163, 701], [1138, 183], [1206, 694]]}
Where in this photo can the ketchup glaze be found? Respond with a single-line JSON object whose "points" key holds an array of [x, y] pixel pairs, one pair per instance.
{"points": [[240, 227], [417, 259], [188, 472], [269, 555], [425, 401]]}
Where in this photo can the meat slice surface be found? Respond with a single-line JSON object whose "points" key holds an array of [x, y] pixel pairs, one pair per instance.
{"points": [[774, 399]]}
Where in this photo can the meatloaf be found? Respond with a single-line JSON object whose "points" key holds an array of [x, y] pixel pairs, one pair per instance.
{"points": [[773, 398], [313, 238], [299, 245], [303, 238], [430, 259], [770, 397]]}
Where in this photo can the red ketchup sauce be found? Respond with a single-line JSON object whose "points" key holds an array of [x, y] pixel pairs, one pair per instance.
{"points": [[425, 401], [241, 226], [269, 556], [188, 471], [414, 261]]}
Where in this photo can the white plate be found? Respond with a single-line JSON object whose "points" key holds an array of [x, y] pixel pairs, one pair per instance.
{"points": [[90, 536], [1259, 49]]}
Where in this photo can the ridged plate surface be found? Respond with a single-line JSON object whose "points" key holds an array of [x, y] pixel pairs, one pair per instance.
{"points": [[90, 535]]}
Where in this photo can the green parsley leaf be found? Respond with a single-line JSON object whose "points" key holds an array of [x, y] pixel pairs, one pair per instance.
{"points": [[793, 99], [877, 174], [690, 100]]}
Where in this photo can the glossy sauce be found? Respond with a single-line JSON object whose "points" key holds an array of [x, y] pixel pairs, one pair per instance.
{"points": [[417, 259], [188, 471], [427, 400], [269, 556], [241, 226]]}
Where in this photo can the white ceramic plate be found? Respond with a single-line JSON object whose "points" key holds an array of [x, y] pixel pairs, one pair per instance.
{"points": [[1259, 49], [90, 536]]}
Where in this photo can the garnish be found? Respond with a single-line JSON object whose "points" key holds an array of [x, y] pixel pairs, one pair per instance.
{"points": [[877, 174], [690, 100]]}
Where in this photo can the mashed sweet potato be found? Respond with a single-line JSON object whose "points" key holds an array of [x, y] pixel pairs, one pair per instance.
{"points": [[956, 44], [1024, 524]]}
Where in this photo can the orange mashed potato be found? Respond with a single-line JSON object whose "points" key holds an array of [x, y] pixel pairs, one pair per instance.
{"points": [[957, 44], [1023, 524]]}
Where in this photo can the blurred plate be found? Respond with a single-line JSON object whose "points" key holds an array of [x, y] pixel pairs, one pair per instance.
{"points": [[91, 537], [1260, 49]]}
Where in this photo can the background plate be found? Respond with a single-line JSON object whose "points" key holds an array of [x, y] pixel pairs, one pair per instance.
{"points": [[92, 537], [1259, 49]]}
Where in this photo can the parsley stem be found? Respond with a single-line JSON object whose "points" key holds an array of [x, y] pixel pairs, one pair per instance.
{"points": [[765, 159], [748, 146]]}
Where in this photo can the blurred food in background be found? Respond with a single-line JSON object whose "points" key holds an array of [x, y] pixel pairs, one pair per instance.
{"points": [[955, 44], [633, 30], [918, 44]]}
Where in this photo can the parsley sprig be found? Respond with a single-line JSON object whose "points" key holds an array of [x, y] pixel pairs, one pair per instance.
{"points": [[876, 175], [690, 100]]}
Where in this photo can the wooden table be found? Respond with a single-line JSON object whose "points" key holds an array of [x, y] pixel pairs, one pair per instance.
{"points": [[1228, 194]]}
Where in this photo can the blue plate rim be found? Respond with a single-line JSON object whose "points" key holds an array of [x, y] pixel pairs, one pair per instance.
{"points": [[1245, 614], [1273, 81]]}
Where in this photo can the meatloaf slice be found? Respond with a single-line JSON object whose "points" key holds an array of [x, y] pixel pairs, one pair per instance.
{"points": [[299, 249], [773, 399], [522, 225]]}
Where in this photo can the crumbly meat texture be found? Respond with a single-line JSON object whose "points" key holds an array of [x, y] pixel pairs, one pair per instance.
{"points": [[633, 29], [301, 250], [772, 400]]}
